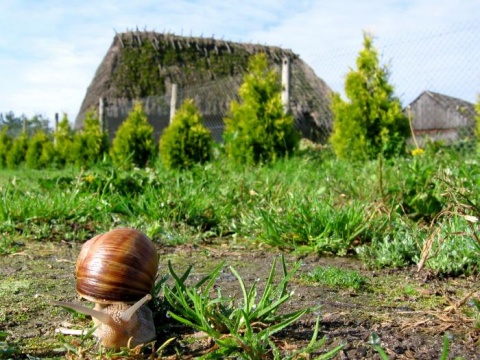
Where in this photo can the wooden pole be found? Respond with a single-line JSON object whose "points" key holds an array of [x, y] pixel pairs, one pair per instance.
{"points": [[286, 84], [173, 102], [101, 114], [55, 130]]}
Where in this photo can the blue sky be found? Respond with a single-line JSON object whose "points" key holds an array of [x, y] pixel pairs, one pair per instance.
{"points": [[50, 49]]}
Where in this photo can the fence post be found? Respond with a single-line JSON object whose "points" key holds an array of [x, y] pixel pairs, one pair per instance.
{"points": [[101, 114], [55, 130], [173, 102], [286, 84]]}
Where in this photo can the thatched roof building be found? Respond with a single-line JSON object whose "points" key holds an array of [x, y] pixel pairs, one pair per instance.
{"points": [[144, 65], [441, 117]]}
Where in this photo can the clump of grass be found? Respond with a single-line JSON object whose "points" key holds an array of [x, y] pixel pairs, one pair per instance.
{"points": [[336, 277], [245, 328], [319, 226]]}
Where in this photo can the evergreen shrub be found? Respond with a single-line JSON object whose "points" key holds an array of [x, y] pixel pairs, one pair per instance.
{"points": [[40, 152], [257, 128], [186, 141], [16, 154], [91, 143], [133, 144], [372, 121], [63, 136], [5, 145]]}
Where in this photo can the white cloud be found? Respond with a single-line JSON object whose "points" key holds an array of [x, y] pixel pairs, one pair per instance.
{"points": [[50, 49]]}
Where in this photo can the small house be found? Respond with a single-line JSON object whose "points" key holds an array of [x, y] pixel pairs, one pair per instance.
{"points": [[440, 117]]}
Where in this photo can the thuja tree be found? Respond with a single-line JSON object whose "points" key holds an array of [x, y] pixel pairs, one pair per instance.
{"points": [[18, 150], [91, 143], [133, 144], [371, 122], [257, 128], [5, 145], [186, 141], [40, 152], [63, 140]]}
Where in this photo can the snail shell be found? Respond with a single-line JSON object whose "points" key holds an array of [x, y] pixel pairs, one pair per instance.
{"points": [[118, 266]]}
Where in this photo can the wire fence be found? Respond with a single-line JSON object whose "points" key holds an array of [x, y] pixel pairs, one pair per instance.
{"points": [[436, 75]]}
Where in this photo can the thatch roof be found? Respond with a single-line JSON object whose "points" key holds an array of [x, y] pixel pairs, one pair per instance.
{"points": [[142, 65]]}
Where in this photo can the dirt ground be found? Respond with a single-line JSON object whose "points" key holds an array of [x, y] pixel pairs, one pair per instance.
{"points": [[409, 311]]}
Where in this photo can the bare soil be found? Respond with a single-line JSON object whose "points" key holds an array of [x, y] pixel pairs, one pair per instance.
{"points": [[409, 311]]}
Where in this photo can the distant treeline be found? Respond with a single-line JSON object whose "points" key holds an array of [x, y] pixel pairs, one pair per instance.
{"points": [[15, 125]]}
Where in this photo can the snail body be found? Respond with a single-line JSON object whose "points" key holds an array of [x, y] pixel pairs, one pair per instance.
{"points": [[117, 271]]}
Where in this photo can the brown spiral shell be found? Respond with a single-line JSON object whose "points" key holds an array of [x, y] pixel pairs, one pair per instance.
{"points": [[118, 266]]}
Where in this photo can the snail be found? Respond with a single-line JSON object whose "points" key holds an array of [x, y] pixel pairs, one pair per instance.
{"points": [[115, 270]]}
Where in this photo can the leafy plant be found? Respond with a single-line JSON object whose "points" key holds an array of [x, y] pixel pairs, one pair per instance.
{"points": [[398, 247], [133, 144], [257, 129], [186, 141], [420, 193], [372, 121]]}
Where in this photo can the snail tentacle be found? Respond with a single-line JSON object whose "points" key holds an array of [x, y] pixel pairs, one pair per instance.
{"points": [[127, 314], [99, 315]]}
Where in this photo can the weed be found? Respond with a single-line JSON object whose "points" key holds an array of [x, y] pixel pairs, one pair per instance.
{"points": [[398, 248]]}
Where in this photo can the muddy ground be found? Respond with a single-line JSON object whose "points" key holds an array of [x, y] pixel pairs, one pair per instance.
{"points": [[409, 311]]}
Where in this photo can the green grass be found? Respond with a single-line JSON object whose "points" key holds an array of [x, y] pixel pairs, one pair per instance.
{"points": [[383, 211], [336, 277], [242, 328], [410, 211]]}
